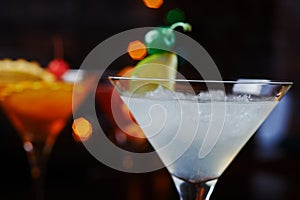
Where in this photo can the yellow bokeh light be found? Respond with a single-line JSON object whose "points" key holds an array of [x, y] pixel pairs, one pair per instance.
{"points": [[137, 50], [153, 3], [82, 129]]}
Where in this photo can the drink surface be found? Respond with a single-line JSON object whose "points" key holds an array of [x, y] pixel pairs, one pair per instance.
{"points": [[178, 127], [38, 109]]}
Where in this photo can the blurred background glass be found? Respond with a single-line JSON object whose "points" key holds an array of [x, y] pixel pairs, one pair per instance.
{"points": [[246, 39]]}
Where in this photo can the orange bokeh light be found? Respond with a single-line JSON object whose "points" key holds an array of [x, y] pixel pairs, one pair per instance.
{"points": [[153, 3], [82, 129], [126, 72], [137, 50], [134, 130]]}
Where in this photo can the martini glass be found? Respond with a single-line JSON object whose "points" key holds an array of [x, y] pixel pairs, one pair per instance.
{"points": [[199, 127], [39, 110]]}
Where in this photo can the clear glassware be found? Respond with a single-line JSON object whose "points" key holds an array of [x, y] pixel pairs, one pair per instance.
{"points": [[198, 127], [39, 110]]}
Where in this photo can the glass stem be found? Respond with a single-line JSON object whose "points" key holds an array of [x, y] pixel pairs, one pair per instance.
{"points": [[37, 154], [194, 191]]}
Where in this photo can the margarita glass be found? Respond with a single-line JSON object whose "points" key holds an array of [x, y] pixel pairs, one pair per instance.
{"points": [[200, 126], [39, 110]]}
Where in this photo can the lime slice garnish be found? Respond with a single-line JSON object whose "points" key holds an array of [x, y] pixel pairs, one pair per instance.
{"points": [[155, 66]]}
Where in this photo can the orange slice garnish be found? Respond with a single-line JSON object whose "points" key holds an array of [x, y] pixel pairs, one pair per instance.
{"points": [[21, 70]]}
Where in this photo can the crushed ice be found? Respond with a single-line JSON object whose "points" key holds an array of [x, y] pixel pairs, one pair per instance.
{"points": [[159, 93], [212, 95], [242, 98], [163, 93], [217, 95]]}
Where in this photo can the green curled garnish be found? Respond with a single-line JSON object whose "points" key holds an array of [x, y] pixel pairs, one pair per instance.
{"points": [[160, 40], [185, 26]]}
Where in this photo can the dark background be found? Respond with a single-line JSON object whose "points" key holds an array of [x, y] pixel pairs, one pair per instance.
{"points": [[250, 39]]}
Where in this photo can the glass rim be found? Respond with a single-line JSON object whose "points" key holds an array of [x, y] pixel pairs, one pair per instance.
{"points": [[241, 81]]}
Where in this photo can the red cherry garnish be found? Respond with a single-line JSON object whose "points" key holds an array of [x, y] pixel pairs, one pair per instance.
{"points": [[58, 67]]}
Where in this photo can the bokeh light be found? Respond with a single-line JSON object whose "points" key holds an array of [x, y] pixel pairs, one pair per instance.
{"points": [[82, 129], [153, 3], [126, 71], [174, 15], [134, 130], [137, 50]]}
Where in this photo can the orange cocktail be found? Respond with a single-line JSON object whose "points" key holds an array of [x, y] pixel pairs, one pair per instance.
{"points": [[39, 106], [38, 110]]}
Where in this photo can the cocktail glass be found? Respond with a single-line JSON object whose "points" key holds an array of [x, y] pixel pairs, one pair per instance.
{"points": [[39, 110], [199, 127]]}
